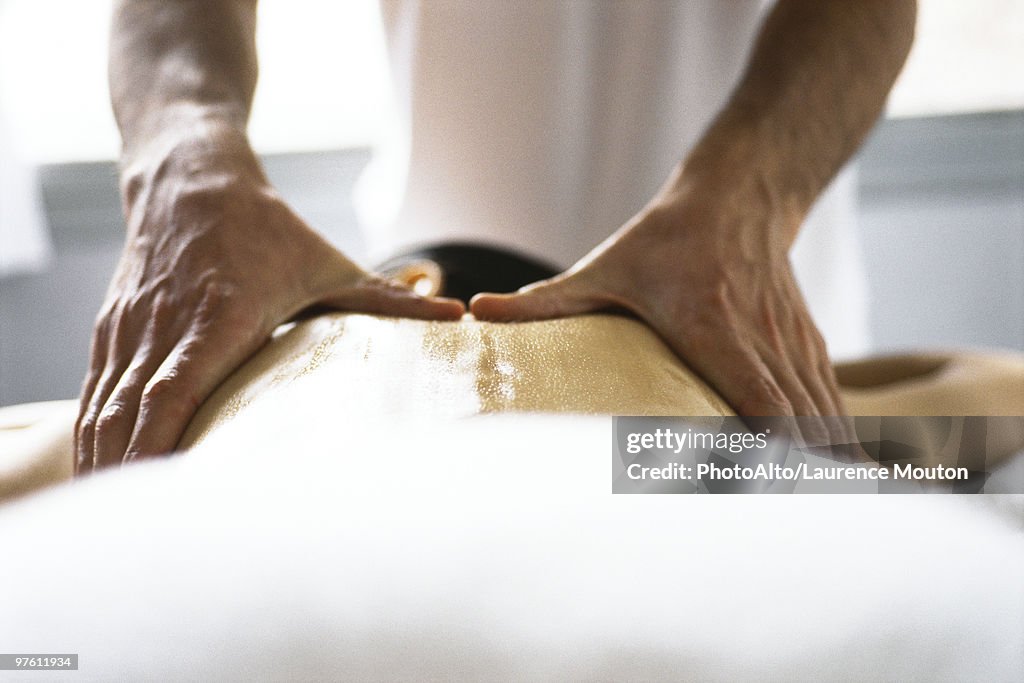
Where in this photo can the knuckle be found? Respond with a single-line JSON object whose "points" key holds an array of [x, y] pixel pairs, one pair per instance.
{"points": [[764, 396], [105, 315], [140, 304], [223, 304], [719, 296], [161, 389], [85, 426], [83, 413], [168, 395], [767, 390], [83, 444], [113, 414], [754, 406], [218, 299], [218, 292], [164, 312]]}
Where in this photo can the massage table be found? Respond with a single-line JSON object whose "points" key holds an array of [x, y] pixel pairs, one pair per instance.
{"points": [[383, 499]]}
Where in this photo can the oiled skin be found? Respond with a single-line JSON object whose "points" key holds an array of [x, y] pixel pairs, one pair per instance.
{"points": [[346, 369], [358, 367]]}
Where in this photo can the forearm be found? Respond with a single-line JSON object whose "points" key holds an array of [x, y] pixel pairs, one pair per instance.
{"points": [[816, 82], [181, 66]]}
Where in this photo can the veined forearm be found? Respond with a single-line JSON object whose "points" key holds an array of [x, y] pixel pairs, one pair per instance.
{"points": [[815, 84], [174, 62]]}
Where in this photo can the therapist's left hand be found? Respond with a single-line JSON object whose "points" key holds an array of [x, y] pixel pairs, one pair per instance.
{"points": [[710, 273]]}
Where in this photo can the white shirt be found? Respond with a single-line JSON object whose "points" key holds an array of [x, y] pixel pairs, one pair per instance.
{"points": [[544, 125]]}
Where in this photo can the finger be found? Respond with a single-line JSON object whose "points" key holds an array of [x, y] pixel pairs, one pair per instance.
{"points": [[845, 422], [813, 427], [116, 420], [555, 298], [118, 354], [810, 358], [740, 376], [97, 356], [97, 361], [187, 376], [377, 295], [87, 433], [770, 347], [819, 381], [831, 382], [816, 377], [788, 350], [840, 424], [81, 457]]}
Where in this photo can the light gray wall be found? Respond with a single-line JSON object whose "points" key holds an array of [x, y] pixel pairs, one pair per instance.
{"points": [[942, 223], [942, 219]]}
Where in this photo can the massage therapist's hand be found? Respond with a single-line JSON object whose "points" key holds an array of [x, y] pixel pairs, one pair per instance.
{"points": [[213, 262], [705, 270], [705, 264]]}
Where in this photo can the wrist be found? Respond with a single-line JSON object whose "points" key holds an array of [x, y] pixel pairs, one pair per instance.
{"points": [[738, 174], [192, 144]]}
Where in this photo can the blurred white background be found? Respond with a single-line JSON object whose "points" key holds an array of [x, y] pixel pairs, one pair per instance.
{"points": [[323, 75]]}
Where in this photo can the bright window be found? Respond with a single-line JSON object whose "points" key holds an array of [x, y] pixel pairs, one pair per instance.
{"points": [[968, 55]]}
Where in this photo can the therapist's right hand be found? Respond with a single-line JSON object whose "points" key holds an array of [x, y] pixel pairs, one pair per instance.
{"points": [[214, 260]]}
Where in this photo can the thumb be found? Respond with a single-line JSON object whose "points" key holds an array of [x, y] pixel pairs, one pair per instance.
{"points": [[373, 294], [554, 298]]}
